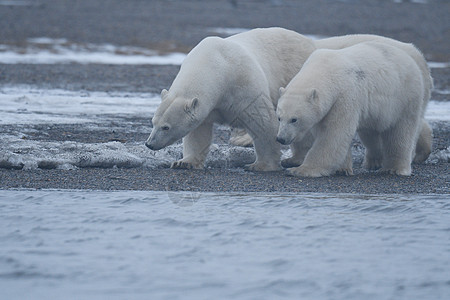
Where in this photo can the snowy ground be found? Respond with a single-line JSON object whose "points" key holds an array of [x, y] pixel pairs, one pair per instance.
{"points": [[23, 107]]}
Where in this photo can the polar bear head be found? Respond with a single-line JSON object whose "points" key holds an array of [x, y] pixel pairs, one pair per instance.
{"points": [[174, 119], [298, 111]]}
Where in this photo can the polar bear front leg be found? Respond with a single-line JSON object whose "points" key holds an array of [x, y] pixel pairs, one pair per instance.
{"points": [[330, 150], [398, 147], [299, 150], [268, 153], [347, 167], [324, 163], [260, 121], [195, 148]]}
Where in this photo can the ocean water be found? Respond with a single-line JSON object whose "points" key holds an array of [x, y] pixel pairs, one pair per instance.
{"points": [[178, 245]]}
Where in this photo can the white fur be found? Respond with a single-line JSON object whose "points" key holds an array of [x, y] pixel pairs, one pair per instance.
{"points": [[233, 81], [373, 88]]}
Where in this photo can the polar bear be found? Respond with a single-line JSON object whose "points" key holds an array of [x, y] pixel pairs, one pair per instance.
{"points": [[233, 81], [300, 148], [371, 88], [424, 142]]}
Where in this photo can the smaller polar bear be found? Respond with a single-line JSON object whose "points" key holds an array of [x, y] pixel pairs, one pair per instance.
{"points": [[300, 148], [371, 88]]}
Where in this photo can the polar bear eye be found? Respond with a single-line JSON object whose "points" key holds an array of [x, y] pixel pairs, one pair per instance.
{"points": [[165, 127], [293, 120]]}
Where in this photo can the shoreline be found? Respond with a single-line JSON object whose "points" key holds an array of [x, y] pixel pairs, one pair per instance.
{"points": [[426, 179]]}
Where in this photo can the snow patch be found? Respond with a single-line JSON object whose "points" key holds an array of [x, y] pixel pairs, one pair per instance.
{"points": [[25, 105], [438, 111], [228, 31], [19, 153], [438, 156], [44, 50], [438, 65]]}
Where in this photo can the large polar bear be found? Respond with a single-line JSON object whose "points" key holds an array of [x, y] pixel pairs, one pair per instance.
{"points": [[300, 147], [373, 88], [234, 81]]}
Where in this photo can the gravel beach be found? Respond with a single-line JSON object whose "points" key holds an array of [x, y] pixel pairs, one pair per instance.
{"points": [[169, 26]]}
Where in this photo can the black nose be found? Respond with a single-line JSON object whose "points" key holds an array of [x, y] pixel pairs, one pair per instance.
{"points": [[148, 145], [281, 140]]}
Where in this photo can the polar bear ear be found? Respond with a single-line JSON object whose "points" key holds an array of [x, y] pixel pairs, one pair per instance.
{"points": [[164, 93], [191, 105], [281, 91]]}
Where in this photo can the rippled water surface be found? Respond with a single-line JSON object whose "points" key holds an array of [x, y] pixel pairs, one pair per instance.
{"points": [[153, 245]]}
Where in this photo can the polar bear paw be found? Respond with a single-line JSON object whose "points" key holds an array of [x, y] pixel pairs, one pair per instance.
{"points": [[345, 172], [290, 162], [307, 172], [401, 172], [185, 165], [262, 167]]}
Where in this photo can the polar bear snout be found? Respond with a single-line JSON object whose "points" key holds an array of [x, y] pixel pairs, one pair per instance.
{"points": [[152, 142], [151, 145], [286, 134], [161, 137], [281, 140], [284, 138]]}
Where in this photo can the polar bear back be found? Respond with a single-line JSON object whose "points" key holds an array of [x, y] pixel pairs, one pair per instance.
{"points": [[279, 52], [340, 42], [380, 81]]}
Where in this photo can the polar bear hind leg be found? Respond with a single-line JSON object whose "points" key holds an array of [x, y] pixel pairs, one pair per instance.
{"points": [[371, 139], [260, 121], [398, 147], [424, 143]]}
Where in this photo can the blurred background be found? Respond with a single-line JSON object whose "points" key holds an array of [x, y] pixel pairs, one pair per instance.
{"points": [[168, 26], [180, 24]]}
